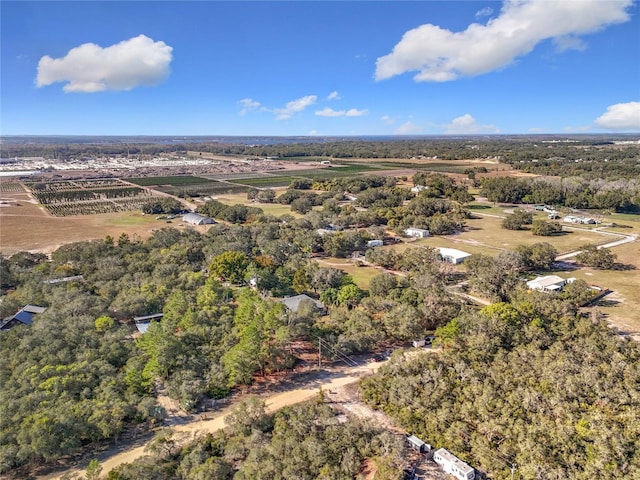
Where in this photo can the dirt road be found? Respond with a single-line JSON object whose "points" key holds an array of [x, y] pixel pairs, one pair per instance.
{"points": [[287, 394]]}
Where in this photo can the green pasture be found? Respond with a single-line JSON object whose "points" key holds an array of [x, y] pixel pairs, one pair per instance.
{"points": [[175, 180], [266, 182], [361, 275]]}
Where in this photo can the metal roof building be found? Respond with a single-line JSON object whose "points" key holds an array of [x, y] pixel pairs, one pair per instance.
{"points": [[197, 219], [453, 255], [293, 303], [24, 316]]}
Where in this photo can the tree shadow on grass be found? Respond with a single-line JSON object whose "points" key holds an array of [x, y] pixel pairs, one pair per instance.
{"points": [[623, 267]]}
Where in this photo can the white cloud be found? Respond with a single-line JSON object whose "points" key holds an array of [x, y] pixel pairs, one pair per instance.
{"points": [[621, 116], [330, 112], [485, 12], [388, 120], [295, 106], [440, 55], [89, 68], [408, 128], [334, 96], [248, 105], [467, 125], [569, 43]]}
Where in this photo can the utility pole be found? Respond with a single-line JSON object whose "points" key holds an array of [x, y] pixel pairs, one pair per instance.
{"points": [[513, 470], [319, 352]]}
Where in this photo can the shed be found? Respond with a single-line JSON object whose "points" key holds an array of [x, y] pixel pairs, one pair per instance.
{"points": [[197, 219], [416, 232], [453, 255], [143, 322], [417, 444], [375, 243]]}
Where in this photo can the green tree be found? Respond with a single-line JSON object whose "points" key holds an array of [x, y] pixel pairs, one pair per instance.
{"points": [[538, 256], [94, 469], [230, 266], [517, 219], [349, 295], [593, 256], [544, 228]]}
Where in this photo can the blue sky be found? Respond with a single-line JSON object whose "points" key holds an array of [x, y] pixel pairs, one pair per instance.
{"points": [[319, 68]]}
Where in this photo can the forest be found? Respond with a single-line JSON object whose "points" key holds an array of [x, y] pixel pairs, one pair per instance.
{"points": [[552, 394], [307, 441], [533, 380]]}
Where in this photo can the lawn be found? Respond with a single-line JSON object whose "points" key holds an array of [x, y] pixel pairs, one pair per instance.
{"points": [[622, 307], [488, 232], [361, 275], [276, 209]]}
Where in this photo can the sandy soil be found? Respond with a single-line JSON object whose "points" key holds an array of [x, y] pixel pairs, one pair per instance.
{"points": [[289, 393]]}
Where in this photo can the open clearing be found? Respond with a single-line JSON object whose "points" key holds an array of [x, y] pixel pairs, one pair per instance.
{"points": [[27, 226]]}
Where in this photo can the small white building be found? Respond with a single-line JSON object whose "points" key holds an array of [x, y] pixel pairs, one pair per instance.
{"points": [[375, 243], [197, 219], [579, 220], [419, 188], [453, 465], [416, 232], [549, 283], [453, 255]]}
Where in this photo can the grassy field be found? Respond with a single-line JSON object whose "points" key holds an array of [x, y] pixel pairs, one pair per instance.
{"points": [[266, 182], [203, 189], [173, 180], [622, 308], [488, 234], [361, 275], [268, 208], [29, 227]]}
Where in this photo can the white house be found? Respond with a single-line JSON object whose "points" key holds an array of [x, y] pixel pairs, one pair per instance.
{"points": [[549, 283], [453, 465], [416, 232], [453, 255], [375, 243]]}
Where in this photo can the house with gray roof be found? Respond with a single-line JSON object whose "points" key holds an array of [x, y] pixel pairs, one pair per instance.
{"points": [[23, 317], [293, 303]]}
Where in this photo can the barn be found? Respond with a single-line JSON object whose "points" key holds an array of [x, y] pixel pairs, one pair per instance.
{"points": [[453, 255], [197, 219]]}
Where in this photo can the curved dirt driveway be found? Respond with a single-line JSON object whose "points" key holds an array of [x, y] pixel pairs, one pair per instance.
{"points": [[288, 395]]}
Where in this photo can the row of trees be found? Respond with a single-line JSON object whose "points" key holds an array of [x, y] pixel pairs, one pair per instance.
{"points": [[616, 195]]}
